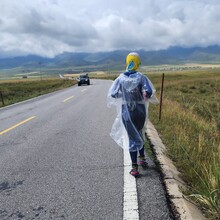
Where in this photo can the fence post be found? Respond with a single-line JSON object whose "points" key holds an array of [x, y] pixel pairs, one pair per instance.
{"points": [[161, 97], [2, 98]]}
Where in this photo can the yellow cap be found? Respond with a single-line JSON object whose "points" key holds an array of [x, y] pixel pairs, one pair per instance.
{"points": [[133, 61]]}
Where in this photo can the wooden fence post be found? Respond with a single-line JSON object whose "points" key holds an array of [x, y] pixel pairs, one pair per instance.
{"points": [[2, 98], [161, 97]]}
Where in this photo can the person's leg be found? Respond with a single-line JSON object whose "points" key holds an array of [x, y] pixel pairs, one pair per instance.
{"points": [[133, 157], [132, 124], [142, 158], [133, 154], [130, 120], [141, 152], [134, 170], [134, 138], [138, 118]]}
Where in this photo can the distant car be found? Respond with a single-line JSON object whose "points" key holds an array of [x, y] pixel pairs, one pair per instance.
{"points": [[83, 79]]}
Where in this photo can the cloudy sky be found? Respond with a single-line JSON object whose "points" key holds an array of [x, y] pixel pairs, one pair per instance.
{"points": [[50, 27]]}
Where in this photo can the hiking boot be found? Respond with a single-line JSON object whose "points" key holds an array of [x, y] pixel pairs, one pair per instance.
{"points": [[134, 171], [143, 162]]}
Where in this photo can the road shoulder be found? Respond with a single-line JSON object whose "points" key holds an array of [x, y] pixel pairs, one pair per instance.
{"points": [[182, 208]]}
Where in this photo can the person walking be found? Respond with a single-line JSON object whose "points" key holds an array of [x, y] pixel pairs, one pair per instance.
{"points": [[131, 93]]}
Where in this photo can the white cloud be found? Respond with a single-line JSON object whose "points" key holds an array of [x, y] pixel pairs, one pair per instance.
{"points": [[50, 27]]}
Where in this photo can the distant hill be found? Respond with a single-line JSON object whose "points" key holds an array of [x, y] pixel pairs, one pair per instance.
{"points": [[104, 60]]}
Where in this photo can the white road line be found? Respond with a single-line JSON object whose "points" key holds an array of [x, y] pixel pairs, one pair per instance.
{"points": [[83, 90], [130, 209]]}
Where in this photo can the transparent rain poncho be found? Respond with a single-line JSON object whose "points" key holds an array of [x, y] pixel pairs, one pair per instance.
{"points": [[131, 94]]}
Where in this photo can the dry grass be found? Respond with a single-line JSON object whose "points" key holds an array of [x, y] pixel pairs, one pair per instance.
{"points": [[19, 90], [190, 128]]}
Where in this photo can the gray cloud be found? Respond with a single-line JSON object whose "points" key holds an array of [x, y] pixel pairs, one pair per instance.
{"points": [[50, 27]]}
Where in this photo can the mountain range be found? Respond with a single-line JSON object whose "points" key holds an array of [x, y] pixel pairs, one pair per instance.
{"points": [[114, 59]]}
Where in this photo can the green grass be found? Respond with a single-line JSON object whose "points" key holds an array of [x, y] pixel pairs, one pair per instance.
{"points": [[14, 91], [149, 150], [190, 128]]}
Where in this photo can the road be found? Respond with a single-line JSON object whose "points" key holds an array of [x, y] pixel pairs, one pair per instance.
{"points": [[57, 160]]}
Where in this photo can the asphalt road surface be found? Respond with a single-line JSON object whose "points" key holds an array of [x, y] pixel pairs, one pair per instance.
{"points": [[57, 160]]}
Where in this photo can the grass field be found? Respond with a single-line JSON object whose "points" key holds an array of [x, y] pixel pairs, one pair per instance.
{"points": [[14, 91], [190, 128]]}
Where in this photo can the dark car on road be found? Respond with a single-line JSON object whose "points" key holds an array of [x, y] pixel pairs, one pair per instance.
{"points": [[83, 79]]}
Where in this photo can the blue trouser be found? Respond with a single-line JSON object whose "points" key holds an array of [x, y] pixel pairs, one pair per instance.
{"points": [[133, 117], [133, 155]]}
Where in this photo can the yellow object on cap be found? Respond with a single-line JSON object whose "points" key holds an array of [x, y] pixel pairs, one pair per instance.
{"points": [[132, 61]]}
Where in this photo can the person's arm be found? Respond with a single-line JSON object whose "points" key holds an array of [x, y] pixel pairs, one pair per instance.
{"points": [[147, 87], [114, 90], [114, 93]]}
